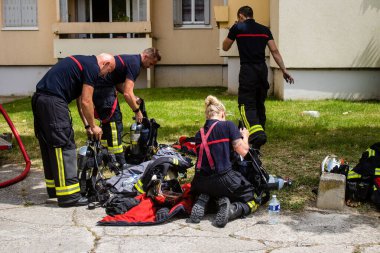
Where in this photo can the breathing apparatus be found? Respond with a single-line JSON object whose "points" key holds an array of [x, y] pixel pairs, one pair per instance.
{"points": [[143, 138]]}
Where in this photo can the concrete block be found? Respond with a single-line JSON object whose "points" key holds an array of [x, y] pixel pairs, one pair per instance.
{"points": [[331, 191]]}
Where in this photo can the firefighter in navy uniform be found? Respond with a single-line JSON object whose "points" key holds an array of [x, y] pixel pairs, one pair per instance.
{"points": [[105, 97], [71, 78], [214, 176], [252, 39]]}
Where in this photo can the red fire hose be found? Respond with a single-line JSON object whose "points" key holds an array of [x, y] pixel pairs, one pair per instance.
{"points": [[22, 149]]}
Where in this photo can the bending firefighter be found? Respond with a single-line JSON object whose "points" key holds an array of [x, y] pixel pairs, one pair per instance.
{"points": [[252, 39], [214, 176], [71, 78], [105, 97]]}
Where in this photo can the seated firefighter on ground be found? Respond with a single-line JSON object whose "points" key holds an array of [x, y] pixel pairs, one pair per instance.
{"points": [[214, 174]]}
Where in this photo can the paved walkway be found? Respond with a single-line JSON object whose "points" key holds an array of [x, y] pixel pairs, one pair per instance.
{"points": [[30, 223]]}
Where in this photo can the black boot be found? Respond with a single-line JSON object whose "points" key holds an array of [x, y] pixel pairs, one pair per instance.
{"points": [[82, 201], [199, 207], [236, 211], [222, 215]]}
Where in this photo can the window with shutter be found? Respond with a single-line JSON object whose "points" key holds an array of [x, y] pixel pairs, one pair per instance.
{"points": [[139, 10], [191, 13], [19, 13]]}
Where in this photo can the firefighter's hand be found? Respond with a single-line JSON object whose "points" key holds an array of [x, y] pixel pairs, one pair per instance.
{"points": [[244, 132], [139, 116], [97, 132], [288, 78], [89, 133]]}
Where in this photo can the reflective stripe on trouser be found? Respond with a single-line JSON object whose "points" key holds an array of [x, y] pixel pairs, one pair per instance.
{"points": [[112, 132], [371, 152], [353, 175], [252, 205], [48, 164], [250, 122], [50, 183], [68, 183], [257, 135], [377, 171], [112, 137], [62, 167]]}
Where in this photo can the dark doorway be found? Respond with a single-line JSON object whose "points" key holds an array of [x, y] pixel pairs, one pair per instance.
{"points": [[100, 13]]}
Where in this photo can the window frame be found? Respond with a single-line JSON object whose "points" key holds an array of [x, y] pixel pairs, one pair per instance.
{"points": [[21, 27], [178, 19]]}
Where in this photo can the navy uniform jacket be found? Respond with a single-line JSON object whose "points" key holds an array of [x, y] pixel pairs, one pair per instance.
{"points": [[66, 78]]}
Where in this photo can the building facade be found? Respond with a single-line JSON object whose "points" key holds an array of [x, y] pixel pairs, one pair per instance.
{"points": [[334, 54]]}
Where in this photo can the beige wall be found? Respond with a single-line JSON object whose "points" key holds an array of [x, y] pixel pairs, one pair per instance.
{"points": [[30, 47], [190, 75], [184, 46], [260, 10], [327, 34]]}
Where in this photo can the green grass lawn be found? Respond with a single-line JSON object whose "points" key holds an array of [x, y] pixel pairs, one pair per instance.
{"points": [[296, 143]]}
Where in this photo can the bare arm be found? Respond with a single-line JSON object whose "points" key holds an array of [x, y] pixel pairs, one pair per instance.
{"points": [[87, 108], [83, 118], [129, 96], [278, 58], [241, 145], [79, 106], [227, 43]]}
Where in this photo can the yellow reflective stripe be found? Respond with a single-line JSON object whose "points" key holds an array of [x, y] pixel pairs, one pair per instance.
{"points": [[104, 143], [67, 190], [352, 174], [175, 161], [61, 167], [50, 183], [371, 152], [255, 129], [374, 187], [113, 134], [244, 117], [377, 172], [116, 150], [252, 205], [139, 186]]}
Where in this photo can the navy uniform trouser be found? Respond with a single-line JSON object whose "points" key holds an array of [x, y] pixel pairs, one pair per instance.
{"points": [[104, 98], [253, 89], [231, 184], [112, 136], [53, 128]]}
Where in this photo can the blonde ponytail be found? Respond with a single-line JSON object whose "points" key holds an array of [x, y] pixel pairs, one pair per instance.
{"points": [[213, 107]]}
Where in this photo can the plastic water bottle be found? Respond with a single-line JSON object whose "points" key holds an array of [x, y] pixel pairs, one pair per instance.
{"points": [[274, 211]]}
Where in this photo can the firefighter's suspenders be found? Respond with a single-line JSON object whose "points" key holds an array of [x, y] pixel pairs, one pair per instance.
{"points": [[204, 146]]}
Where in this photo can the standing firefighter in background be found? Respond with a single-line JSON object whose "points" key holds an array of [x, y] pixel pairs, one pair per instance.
{"points": [[71, 78], [105, 97], [252, 38]]}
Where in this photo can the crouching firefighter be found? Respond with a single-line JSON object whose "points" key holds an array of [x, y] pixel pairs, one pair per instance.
{"points": [[214, 176]]}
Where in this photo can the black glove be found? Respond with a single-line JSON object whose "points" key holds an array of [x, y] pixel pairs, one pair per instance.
{"points": [[120, 204]]}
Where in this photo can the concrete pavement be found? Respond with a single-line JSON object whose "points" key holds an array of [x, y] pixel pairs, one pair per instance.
{"points": [[31, 223]]}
